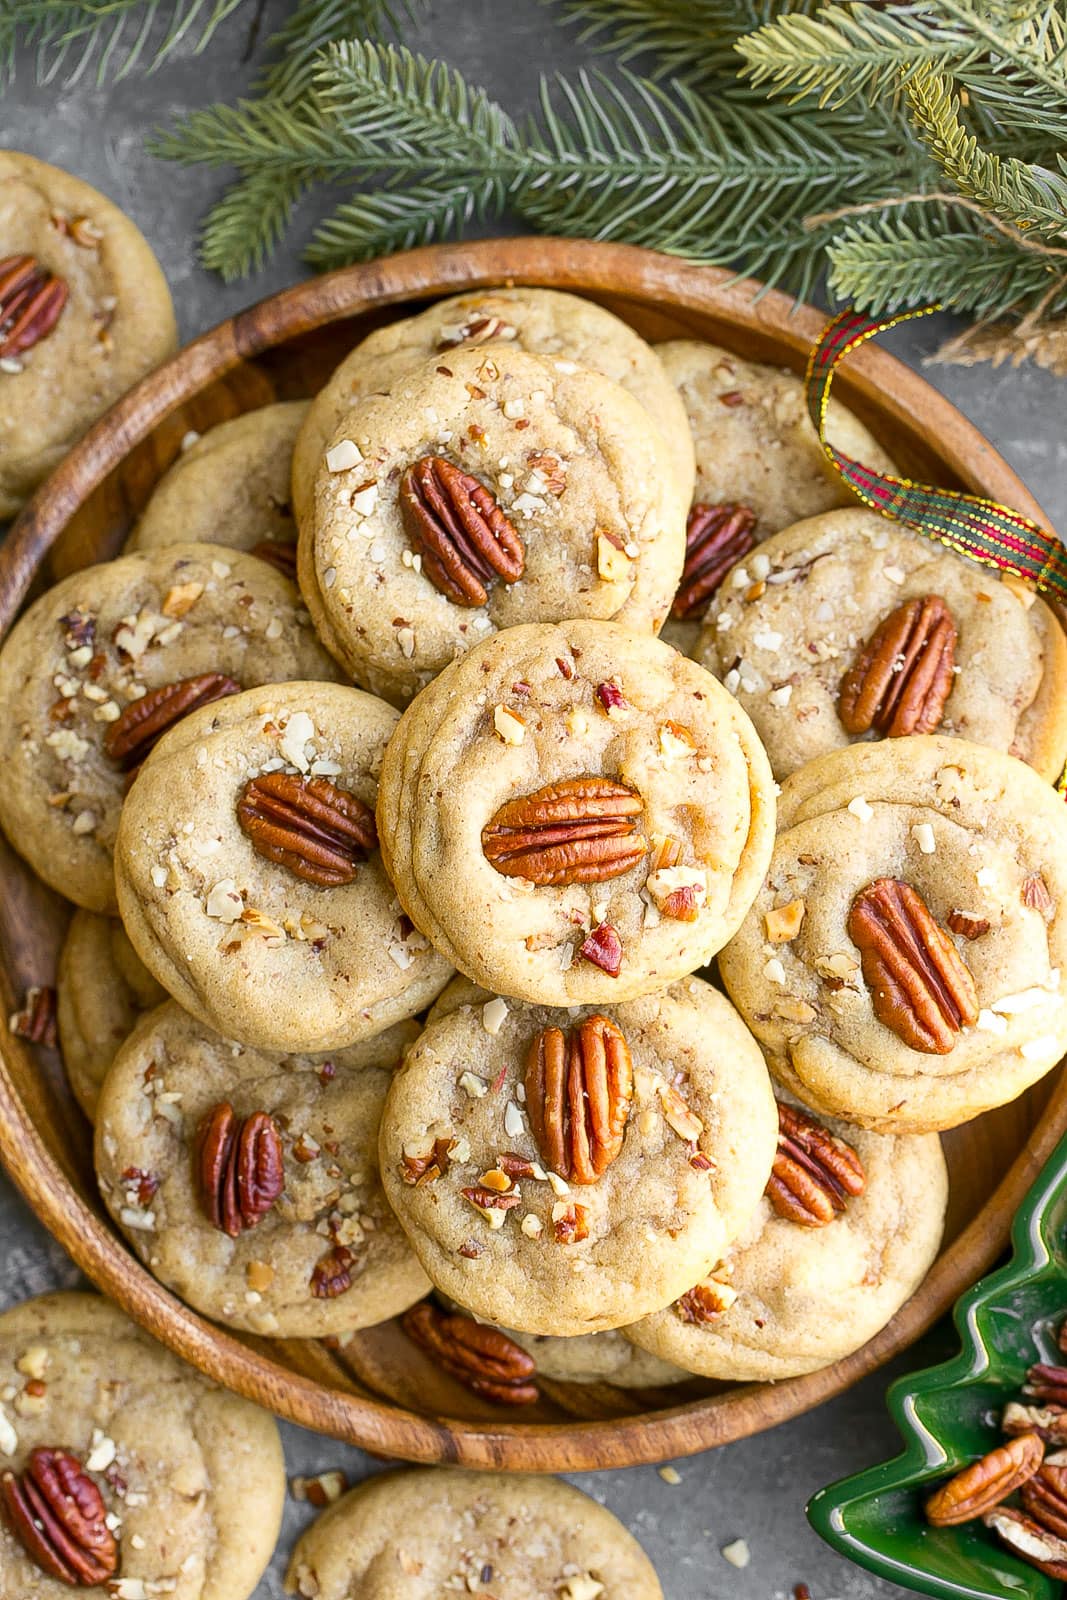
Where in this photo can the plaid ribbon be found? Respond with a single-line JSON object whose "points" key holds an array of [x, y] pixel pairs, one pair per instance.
{"points": [[981, 530]]}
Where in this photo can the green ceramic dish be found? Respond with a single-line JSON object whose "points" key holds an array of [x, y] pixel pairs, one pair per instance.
{"points": [[947, 1417]]}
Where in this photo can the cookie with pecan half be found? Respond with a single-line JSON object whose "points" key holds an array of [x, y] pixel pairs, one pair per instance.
{"points": [[668, 1097], [788, 1297], [102, 988], [249, 875], [236, 1173], [575, 813], [103, 664], [846, 627], [123, 1470], [564, 327], [85, 312], [487, 488], [230, 486], [901, 965], [443, 1531]]}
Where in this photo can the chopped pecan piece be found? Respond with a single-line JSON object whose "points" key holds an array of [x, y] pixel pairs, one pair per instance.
{"points": [[702, 1304], [319, 832], [902, 677], [1029, 1540], [814, 1174], [239, 1167], [58, 1515], [580, 830], [279, 554], [578, 1093], [482, 1358], [985, 1483], [332, 1275], [31, 303], [144, 722], [417, 1170], [603, 949], [716, 538], [464, 537], [572, 1226], [920, 986], [966, 925], [1036, 895], [37, 1019]]}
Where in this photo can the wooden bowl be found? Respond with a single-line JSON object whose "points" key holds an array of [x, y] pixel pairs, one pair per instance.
{"points": [[379, 1391]]}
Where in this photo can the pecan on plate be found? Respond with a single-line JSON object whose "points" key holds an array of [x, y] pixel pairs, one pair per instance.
{"points": [[144, 722], [1047, 1384], [580, 830], [279, 554], [239, 1167], [36, 1021], [985, 1483], [481, 1358], [920, 986], [1029, 1541], [716, 537], [58, 1515], [900, 680], [578, 1093], [31, 303], [1044, 1497], [463, 536], [814, 1174], [319, 832]]}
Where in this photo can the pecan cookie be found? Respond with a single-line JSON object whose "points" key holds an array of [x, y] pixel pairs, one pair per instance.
{"points": [[759, 463], [575, 814], [84, 313], [247, 1181], [485, 490], [562, 1172], [249, 876], [418, 1535], [231, 487], [847, 627], [105, 661], [849, 1226], [124, 1472], [901, 965], [562, 326], [102, 988]]}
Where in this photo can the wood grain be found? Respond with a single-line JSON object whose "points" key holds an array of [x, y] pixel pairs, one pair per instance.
{"points": [[378, 1390]]}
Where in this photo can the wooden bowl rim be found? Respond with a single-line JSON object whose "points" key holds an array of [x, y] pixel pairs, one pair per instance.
{"points": [[579, 266]]}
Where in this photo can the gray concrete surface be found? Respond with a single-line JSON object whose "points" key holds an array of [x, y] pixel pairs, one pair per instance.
{"points": [[756, 1489]]}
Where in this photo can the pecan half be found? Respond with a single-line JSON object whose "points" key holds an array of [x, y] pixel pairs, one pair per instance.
{"points": [[1050, 1421], [332, 1275], [239, 1167], [814, 1174], [319, 832], [481, 1358], [580, 830], [1044, 1497], [279, 554], [144, 722], [920, 986], [901, 678], [462, 534], [716, 537], [31, 303], [58, 1515], [36, 1021], [985, 1483], [1027, 1539], [578, 1093], [1045, 1383]]}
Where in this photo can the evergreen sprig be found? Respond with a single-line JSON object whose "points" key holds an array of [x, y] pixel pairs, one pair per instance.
{"points": [[70, 38]]}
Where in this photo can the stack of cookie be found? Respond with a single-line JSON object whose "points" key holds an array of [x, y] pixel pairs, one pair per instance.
{"points": [[410, 1009]]}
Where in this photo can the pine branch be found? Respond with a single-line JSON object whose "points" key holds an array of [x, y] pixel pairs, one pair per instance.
{"points": [[1027, 197], [896, 259], [249, 222], [377, 224], [317, 24], [70, 37]]}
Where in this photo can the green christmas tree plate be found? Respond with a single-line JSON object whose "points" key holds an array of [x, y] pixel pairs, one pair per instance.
{"points": [[947, 1416]]}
